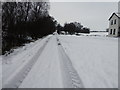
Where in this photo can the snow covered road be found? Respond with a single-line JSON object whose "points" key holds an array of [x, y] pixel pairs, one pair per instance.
{"points": [[64, 62], [70, 76], [46, 71]]}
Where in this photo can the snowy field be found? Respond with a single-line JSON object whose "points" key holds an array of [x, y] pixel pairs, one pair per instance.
{"points": [[95, 59], [56, 60], [103, 34]]}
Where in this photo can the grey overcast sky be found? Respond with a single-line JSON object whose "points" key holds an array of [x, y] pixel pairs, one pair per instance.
{"points": [[90, 14]]}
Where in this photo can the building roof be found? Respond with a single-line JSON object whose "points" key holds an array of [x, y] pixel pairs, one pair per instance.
{"points": [[117, 14]]}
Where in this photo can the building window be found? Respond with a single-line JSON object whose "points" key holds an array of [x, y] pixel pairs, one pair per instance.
{"points": [[112, 22], [110, 31], [115, 21], [114, 31]]}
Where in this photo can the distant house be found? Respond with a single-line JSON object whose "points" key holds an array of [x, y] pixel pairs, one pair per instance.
{"points": [[114, 25]]}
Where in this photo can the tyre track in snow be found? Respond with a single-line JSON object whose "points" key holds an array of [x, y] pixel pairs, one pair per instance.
{"points": [[70, 76], [17, 78]]}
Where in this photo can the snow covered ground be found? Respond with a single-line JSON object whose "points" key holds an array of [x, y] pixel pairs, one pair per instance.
{"points": [[46, 71], [100, 34], [72, 62], [95, 59], [12, 64]]}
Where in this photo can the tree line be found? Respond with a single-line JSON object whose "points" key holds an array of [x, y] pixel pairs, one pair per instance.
{"points": [[23, 22], [72, 28]]}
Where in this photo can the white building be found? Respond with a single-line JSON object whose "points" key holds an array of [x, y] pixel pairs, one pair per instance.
{"points": [[114, 23]]}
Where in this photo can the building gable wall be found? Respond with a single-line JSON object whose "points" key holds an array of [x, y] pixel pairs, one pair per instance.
{"points": [[114, 28]]}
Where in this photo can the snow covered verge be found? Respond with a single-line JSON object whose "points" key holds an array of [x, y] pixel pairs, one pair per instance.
{"points": [[19, 58], [94, 58]]}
